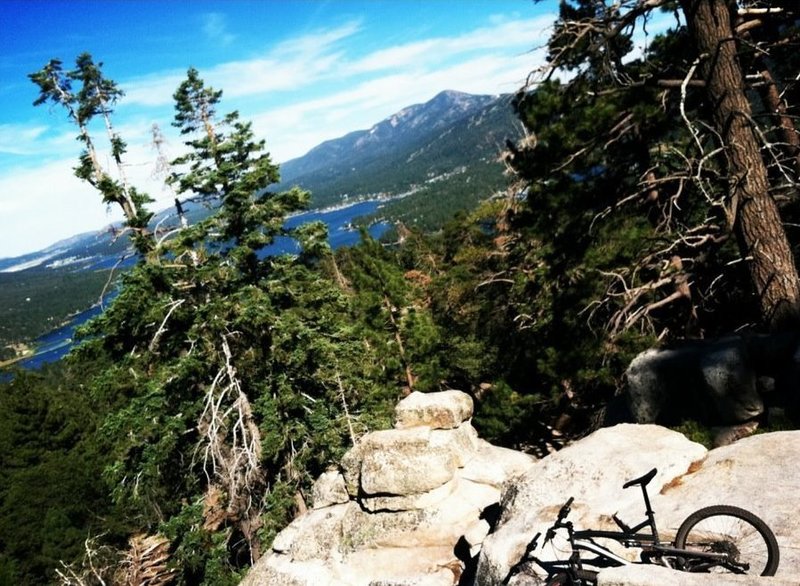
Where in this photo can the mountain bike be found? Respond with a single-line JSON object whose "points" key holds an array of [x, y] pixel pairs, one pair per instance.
{"points": [[719, 538]]}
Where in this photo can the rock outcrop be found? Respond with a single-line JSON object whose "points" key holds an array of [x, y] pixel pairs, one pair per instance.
{"points": [[409, 506], [649, 575], [405, 508]]}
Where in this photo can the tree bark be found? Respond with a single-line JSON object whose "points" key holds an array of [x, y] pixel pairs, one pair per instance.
{"points": [[775, 106], [755, 216]]}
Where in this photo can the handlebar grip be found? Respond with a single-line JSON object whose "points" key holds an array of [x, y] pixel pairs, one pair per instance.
{"points": [[562, 514], [533, 544]]}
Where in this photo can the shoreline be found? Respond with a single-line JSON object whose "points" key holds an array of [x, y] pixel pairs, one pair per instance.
{"points": [[23, 351]]}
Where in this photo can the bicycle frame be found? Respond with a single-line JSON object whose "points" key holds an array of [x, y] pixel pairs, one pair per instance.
{"points": [[653, 550], [583, 540], [650, 545]]}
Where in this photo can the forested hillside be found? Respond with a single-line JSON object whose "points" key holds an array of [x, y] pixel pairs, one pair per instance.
{"points": [[30, 299], [653, 200]]}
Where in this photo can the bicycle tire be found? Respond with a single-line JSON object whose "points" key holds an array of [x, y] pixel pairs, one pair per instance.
{"points": [[587, 578], [723, 528]]}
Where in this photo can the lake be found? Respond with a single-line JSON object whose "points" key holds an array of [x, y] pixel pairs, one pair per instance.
{"points": [[54, 345]]}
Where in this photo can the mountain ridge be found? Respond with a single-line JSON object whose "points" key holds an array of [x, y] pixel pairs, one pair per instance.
{"points": [[447, 106]]}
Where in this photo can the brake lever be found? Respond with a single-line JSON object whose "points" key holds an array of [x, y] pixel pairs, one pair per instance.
{"points": [[549, 535]]}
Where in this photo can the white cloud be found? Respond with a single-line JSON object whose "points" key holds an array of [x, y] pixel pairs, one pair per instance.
{"points": [[290, 65], [215, 28], [527, 34], [43, 205], [262, 76], [34, 144], [317, 41], [319, 56], [153, 90]]}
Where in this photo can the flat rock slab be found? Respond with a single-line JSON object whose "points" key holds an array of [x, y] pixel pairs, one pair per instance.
{"points": [[648, 575]]}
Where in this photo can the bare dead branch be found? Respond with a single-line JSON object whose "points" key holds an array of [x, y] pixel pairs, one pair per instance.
{"points": [[232, 440], [173, 305]]}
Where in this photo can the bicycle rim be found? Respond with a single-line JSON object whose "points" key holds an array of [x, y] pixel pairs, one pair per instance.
{"points": [[749, 544]]}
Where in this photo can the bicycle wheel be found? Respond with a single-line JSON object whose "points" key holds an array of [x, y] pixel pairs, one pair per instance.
{"points": [[751, 545], [586, 577]]}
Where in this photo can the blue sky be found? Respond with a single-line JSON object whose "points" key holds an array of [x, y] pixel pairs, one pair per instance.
{"points": [[302, 71]]}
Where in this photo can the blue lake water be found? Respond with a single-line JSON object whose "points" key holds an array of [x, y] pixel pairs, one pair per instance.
{"points": [[54, 345]]}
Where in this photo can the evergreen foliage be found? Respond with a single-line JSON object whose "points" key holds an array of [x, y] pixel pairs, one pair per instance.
{"points": [[50, 493], [96, 96], [633, 134], [630, 228]]}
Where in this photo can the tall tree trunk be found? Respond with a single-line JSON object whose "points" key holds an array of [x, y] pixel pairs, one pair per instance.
{"points": [[756, 219]]}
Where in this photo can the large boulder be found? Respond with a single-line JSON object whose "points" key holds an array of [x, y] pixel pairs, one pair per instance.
{"points": [[713, 382], [649, 575], [753, 473], [407, 461], [444, 410], [593, 471], [722, 382]]}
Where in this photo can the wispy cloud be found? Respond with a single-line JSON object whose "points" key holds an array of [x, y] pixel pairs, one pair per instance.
{"points": [[291, 65], [528, 33], [215, 27], [153, 90], [30, 145], [322, 56], [19, 139], [317, 41]]}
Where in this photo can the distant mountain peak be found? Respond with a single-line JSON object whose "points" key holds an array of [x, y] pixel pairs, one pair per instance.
{"points": [[451, 131], [451, 96]]}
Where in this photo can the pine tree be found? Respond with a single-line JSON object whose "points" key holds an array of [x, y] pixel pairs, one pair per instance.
{"points": [[96, 97], [237, 376]]}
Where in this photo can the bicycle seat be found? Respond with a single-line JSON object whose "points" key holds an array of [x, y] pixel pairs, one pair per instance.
{"points": [[643, 480]]}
